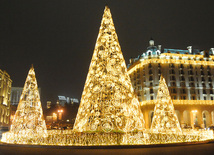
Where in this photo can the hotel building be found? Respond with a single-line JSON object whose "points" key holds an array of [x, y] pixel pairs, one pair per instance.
{"points": [[5, 88], [189, 75]]}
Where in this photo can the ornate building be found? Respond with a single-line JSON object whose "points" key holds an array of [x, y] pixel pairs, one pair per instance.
{"points": [[16, 93], [5, 88], [62, 113], [189, 76]]}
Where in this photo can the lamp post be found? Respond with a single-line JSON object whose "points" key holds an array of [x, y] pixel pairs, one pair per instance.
{"points": [[54, 119], [60, 116]]}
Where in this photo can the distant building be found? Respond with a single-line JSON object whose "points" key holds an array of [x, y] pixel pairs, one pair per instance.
{"points": [[189, 75], [67, 100], [5, 88], [16, 93], [48, 104], [63, 113]]}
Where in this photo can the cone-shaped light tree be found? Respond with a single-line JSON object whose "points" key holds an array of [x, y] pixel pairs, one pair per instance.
{"points": [[28, 121], [165, 119], [108, 102]]}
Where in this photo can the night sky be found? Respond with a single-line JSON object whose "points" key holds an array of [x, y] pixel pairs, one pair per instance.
{"points": [[58, 36]]}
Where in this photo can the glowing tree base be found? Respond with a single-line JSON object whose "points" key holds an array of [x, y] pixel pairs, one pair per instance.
{"points": [[146, 137]]}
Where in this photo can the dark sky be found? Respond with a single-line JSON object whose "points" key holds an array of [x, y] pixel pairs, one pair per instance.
{"points": [[58, 36]]}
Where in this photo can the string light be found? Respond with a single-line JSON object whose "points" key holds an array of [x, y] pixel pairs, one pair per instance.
{"points": [[191, 59], [108, 102], [109, 113], [28, 121], [165, 119]]}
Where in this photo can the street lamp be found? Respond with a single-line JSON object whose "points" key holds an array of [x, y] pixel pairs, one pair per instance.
{"points": [[54, 117], [60, 115]]}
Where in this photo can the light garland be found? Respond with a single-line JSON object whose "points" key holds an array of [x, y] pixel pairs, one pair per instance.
{"points": [[140, 64], [28, 121], [145, 137], [165, 119], [181, 102], [109, 113], [108, 102]]}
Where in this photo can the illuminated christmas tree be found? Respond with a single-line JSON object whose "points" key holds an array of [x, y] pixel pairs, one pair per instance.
{"points": [[28, 121], [165, 119], [108, 102]]}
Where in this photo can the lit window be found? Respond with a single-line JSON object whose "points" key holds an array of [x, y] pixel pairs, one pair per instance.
{"points": [[152, 97], [171, 65], [191, 84], [173, 77], [182, 84], [182, 78], [203, 84], [183, 91]]}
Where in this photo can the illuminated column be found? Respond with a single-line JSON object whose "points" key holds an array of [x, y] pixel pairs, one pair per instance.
{"points": [[108, 101], [195, 118], [210, 118], [54, 117], [146, 118], [181, 118], [165, 119], [60, 114], [28, 121], [200, 118]]}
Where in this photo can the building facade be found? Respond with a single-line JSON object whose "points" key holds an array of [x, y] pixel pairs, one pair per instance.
{"points": [[16, 93], [5, 88], [62, 100], [189, 75], [61, 114]]}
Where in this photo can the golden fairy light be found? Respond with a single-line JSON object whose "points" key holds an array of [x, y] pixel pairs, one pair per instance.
{"points": [[28, 121], [108, 106], [165, 119], [108, 102]]}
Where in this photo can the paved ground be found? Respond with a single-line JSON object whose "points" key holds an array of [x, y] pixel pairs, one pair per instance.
{"points": [[202, 149]]}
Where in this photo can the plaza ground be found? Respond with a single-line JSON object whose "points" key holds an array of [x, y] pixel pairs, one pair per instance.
{"points": [[197, 149]]}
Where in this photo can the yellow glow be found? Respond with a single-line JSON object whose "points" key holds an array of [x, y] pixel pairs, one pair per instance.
{"points": [[54, 117], [109, 113], [146, 137], [194, 111], [60, 111], [181, 102], [165, 119], [197, 62], [28, 121], [108, 102]]}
